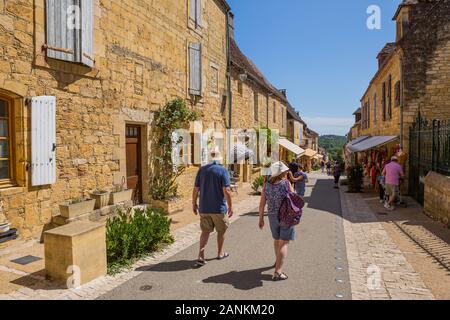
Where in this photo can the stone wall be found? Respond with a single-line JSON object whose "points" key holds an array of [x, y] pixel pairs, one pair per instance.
{"points": [[141, 53], [437, 197]]}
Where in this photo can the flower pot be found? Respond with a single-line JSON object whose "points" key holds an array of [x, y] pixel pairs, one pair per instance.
{"points": [[168, 206], [101, 199], [5, 227], [70, 211], [120, 197]]}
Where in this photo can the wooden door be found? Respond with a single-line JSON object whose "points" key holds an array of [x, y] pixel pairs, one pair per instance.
{"points": [[134, 167]]}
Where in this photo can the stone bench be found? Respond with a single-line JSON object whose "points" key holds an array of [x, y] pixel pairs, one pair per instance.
{"points": [[75, 254]]}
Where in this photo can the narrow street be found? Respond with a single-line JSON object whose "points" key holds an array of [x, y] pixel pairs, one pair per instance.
{"points": [[316, 265]]}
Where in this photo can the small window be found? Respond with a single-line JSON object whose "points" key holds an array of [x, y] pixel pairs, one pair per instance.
{"points": [[214, 80], [375, 115], [398, 94], [240, 88], [6, 164], [256, 105], [274, 112]]}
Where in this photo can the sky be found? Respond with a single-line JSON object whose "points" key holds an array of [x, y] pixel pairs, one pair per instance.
{"points": [[322, 52]]}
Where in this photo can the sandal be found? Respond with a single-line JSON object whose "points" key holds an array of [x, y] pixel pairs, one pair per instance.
{"points": [[200, 263], [226, 255], [280, 277]]}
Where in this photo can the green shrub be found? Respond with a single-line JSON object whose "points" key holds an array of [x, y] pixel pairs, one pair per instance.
{"points": [[133, 237], [258, 183], [355, 177]]}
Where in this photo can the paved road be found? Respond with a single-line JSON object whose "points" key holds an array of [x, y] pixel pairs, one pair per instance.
{"points": [[312, 264]]}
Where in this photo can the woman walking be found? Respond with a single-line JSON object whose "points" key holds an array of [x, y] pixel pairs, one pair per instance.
{"points": [[274, 192]]}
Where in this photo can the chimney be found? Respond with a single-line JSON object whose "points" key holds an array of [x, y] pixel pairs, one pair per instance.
{"points": [[231, 24]]}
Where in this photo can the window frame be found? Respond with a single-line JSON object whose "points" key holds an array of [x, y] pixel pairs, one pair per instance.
{"points": [[10, 181]]}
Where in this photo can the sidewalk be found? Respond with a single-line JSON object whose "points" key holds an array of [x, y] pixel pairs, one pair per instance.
{"points": [[26, 282], [383, 255]]}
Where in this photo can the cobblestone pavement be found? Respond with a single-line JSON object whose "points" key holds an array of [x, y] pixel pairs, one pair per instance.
{"points": [[184, 238], [378, 269]]}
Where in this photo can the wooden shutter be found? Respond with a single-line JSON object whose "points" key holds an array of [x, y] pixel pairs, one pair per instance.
{"points": [[192, 9], [61, 38], [390, 97], [195, 67], [43, 141], [198, 12], [87, 33]]}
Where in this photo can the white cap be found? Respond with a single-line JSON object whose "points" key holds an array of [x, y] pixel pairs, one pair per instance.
{"points": [[278, 169], [216, 155]]}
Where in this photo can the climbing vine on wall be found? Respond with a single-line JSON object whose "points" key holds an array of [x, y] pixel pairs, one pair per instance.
{"points": [[173, 116]]}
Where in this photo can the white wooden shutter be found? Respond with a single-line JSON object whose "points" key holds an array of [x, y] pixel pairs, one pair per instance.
{"points": [[43, 140], [61, 37], [192, 9], [195, 67], [198, 12], [87, 33]]}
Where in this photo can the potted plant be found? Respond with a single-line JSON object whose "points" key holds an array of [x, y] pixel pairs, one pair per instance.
{"points": [[164, 187], [76, 208], [258, 184], [101, 198], [120, 195]]}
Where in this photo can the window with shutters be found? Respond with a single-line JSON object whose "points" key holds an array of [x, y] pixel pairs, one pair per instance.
{"points": [[195, 69], [274, 112], [389, 92], [214, 79], [195, 13], [6, 143], [69, 36], [383, 101], [375, 115], [398, 94], [256, 106]]}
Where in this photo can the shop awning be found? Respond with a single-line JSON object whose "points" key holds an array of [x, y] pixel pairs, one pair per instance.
{"points": [[285, 143], [371, 143], [358, 140], [309, 153], [318, 157]]}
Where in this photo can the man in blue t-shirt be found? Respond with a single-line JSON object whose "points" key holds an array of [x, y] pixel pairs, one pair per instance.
{"points": [[212, 184]]}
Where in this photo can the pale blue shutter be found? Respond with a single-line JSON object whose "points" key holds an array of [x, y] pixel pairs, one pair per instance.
{"points": [[192, 9], [195, 67], [43, 140], [198, 12], [87, 33], [61, 35]]}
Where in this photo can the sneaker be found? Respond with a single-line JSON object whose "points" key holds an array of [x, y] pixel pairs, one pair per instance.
{"points": [[387, 206], [381, 201]]}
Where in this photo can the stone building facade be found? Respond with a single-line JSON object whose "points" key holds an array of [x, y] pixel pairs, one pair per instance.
{"points": [[137, 56], [413, 76]]}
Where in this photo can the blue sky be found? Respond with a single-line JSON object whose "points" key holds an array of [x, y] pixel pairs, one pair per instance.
{"points": [[320, 51]]}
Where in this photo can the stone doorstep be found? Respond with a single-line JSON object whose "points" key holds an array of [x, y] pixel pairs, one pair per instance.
{"points": [[96, 215]]}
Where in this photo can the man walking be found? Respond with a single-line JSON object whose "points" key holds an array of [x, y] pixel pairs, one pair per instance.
{"points": [[213, 186], [393, 172]]}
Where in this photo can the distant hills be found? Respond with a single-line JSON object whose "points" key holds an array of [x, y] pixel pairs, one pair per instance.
{"points": [[333, 145]]}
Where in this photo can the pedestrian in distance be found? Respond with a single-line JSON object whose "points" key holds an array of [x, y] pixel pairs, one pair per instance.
{"points": [[274, 193], [300, 179], [322, 166], [337, 174], [212, 185], [393, 172]]}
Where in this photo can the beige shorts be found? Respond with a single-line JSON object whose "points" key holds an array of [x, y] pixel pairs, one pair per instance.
{"points": [[392, 190], [209, 222]]}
